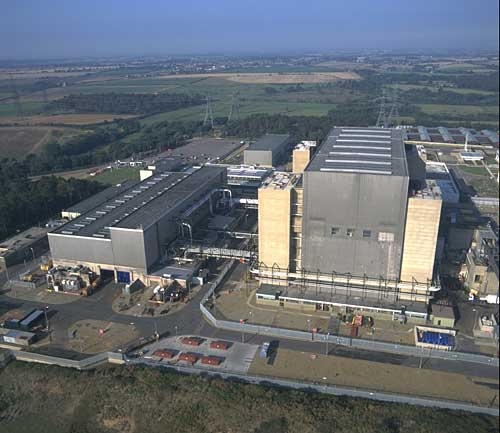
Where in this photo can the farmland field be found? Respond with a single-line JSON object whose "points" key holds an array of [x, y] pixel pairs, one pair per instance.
{"points": [[66, 119], [275, 78]]}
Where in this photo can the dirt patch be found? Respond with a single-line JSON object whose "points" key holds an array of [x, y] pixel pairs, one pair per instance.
{"points": [[377, 376], [276, 77], [94, 336], [119, 424], [64, 119]]}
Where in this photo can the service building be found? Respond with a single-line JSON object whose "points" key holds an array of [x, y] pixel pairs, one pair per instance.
{"points": [[268, 151], [124, 237]]}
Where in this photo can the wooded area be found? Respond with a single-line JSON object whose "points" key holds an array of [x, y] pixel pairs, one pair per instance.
{"points": [[140, 400], [25, 203]]}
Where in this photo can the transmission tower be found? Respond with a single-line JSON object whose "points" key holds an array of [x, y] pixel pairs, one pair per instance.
{"points": [[382, 117], [208, 113], [235, 107], [17, 98], [393, 119], [45, 100]]}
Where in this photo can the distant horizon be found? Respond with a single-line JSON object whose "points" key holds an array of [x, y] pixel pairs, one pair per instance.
{"points": [[257, 54], [30, 29]]}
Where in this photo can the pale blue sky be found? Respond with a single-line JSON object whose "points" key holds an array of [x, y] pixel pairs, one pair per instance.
{"points": [[71, 28]]}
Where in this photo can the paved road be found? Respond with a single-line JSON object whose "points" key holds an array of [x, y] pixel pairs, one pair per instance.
{"points": [[190, 321]]}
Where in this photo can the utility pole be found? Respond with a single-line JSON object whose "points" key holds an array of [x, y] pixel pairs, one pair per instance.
{"points": [[156, 334], [421, 356], [47, 325]]}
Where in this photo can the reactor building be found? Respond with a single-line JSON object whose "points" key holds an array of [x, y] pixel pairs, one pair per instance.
{"points": [[356, 228]]}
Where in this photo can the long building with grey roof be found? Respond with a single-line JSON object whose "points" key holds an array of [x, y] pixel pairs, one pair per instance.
{"points": [[268, 151], [128, 233]]}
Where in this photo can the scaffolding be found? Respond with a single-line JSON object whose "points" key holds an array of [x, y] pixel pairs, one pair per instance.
{"points": [[344, 284]]}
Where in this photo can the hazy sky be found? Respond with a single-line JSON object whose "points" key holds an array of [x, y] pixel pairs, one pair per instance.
{"points": [[72, 28]]}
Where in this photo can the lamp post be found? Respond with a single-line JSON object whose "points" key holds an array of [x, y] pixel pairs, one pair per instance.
{"points": [[47, 325], [175, 327], [250, 317], [32, 253], [308, 325], [421, 356], [327, 338]]}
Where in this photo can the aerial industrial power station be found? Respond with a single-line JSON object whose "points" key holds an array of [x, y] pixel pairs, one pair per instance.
{"points": [[350, 222]]}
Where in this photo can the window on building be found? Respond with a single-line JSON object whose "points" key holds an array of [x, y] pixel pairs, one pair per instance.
{"points": [[367, 233], [477, 278], [335, 231], [350, 233], [385, 237]]}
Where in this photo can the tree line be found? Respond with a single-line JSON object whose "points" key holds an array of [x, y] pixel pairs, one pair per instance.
{"points": [[26, 203]]}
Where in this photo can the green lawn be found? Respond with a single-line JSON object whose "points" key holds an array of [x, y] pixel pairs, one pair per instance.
{"points": [[117, 175], [478, 170], [222, 109], [458, 109], [9, 109], [404, 87]]}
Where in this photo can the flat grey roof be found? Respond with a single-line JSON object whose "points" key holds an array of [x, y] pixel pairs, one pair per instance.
{"points": [[297, 292], [139, 206], [363, 151], [270, 142], [22, 240], [178, 191], [101, 197]]}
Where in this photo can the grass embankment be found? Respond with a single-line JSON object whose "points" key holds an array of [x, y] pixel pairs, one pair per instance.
{"points": [[378, 376], [38, 398]]}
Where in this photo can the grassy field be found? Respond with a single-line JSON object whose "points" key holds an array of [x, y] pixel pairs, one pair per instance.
{"points": [[64, 119], [357, 373], [117, 175], [458, 109], [18, 141], [477, 170], [222, 109], [404, 87], [39, 398], [28, 108]]}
